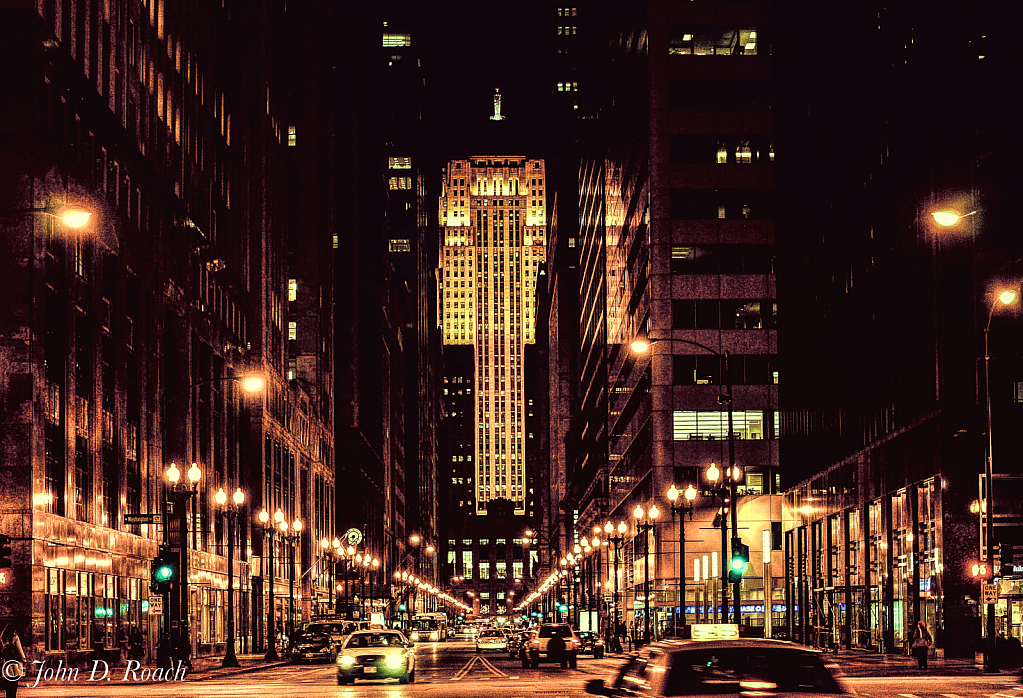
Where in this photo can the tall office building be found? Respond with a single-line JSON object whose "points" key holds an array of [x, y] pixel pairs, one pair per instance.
{"points": [[493, 237], [676, 242]]}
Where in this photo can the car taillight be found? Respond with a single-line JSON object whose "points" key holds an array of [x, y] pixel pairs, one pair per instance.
{"points": [[536, 642], [575, 643]]}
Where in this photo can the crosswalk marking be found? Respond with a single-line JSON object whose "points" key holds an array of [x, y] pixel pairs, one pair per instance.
{"points": [[908, 695]]}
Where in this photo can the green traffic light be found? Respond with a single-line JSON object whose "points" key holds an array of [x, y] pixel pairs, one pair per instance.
{"points": [[737, 563], [164, 573]]}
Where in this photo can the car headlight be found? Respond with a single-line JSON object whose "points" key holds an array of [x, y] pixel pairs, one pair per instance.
{"points": [[394, 661], [434, 635], [346, 660], [414, 637]]}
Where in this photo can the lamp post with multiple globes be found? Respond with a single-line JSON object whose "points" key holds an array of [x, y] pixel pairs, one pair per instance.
{"points": [[180, 638], [291, 534], [646, 522], [681, 509], [270, 532], [231, 512], [616, 541]]}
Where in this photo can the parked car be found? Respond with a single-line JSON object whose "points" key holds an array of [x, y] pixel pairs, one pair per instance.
{"points": [[491, 640], [553, 643], [312, 645], [375, 654], [723, 668], [591, 643], [337, 629]]}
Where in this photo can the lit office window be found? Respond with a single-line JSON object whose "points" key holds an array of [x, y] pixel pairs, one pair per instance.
{"points": [[292, 137], [292, 289], [395, 40], [292, 330], [713, 426]]}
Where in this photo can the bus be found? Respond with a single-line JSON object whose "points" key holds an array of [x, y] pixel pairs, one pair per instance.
{"points": [[429, 627]]}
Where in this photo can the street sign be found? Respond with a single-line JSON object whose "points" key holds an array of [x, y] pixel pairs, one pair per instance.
{"points": [[988, 593], [156, 605], [135, 519]]}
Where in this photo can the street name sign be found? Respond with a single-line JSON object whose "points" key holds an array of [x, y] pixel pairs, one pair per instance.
{"points": [[134, 519]]}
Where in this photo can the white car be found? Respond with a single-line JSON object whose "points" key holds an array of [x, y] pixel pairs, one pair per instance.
{"points": [[376, 654], [491, 640]]}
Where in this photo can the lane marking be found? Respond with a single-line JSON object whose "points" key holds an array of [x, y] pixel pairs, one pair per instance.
{"points": [[497, 672], [908, 695]]}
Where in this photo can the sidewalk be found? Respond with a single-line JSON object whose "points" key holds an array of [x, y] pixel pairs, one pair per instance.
{"points": [[863, 663], [202, 668]]}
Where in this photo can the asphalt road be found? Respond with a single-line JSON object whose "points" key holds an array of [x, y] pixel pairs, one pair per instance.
{"points": [[453, 669]]}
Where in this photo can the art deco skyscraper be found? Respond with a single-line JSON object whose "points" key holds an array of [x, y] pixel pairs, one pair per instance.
{"points": [[493, 231]]}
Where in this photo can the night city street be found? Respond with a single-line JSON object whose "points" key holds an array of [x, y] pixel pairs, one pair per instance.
{"points": [[451, 669], [605, 347]]}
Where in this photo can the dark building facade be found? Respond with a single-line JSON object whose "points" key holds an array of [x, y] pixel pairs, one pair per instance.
{"points": [[884, 417], [124, 339]]}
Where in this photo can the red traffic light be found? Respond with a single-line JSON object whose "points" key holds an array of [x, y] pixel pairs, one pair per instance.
{"points": [[979, 569]]}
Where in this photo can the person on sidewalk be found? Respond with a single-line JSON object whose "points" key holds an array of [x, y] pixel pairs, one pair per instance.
{"points": [[921, 643], [14, 660]]}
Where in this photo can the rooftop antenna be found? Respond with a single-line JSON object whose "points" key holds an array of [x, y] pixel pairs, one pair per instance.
{"points": [[497, 106]]}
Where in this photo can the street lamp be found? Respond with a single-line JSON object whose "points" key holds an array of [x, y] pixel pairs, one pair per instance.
{"points": [[645, 523], [640, 344], [269, 531], [681, 509], [723, 489], [294, 535], [949, 218], [182, 644], [70, 216], [230, 658], [1005, 297], [617, 542]]}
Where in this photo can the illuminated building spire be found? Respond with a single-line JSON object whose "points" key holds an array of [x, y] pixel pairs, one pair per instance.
{"points": [[497, 106]]}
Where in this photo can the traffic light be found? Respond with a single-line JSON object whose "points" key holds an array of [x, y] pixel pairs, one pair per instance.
{"points": [[402, 607], [5, 551], [740, 559], [562, 607], [1006, 558], [163, 572]]}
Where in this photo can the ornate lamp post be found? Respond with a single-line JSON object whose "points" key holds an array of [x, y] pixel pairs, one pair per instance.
{"points": [[645, 523], [183, 642], [681, 509], [725, 491], [269, 532], [290, 538], [616, 542], [230, 658]]}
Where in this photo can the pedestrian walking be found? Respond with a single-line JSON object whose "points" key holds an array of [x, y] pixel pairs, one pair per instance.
{"points": [[13, 656], [136, 644], [921, 643]]}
